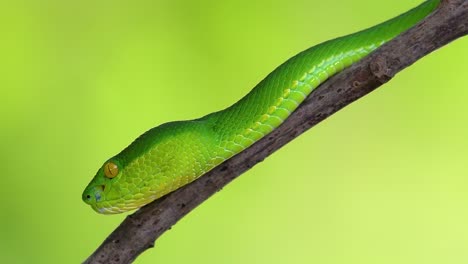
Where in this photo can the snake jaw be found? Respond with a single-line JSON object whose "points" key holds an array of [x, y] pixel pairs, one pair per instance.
{"points": [[117, 206], [106, 210]]}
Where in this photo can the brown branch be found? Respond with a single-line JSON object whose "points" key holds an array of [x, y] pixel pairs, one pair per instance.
{"points": [[139, 230]]}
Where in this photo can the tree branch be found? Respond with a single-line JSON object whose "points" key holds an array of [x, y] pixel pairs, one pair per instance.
{"points": [[139, 230]]}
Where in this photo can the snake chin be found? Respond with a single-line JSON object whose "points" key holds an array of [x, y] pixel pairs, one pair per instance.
{"points": [[111, 209], [118, 206]]}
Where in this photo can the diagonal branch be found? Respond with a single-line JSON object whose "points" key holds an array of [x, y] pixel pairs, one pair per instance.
{"points": [[139, 230]]}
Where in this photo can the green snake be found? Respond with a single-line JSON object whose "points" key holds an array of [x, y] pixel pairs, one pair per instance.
{"points": [[174, 154]]}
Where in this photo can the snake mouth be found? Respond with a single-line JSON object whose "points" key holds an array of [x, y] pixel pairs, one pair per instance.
{"points": [[120, 205], [107, 208]]}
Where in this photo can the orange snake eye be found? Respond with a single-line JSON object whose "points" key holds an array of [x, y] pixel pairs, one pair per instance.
{"points": [[111, 170]]}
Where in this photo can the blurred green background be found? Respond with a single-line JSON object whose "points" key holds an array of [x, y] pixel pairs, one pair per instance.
{"points": [[382, 181]]}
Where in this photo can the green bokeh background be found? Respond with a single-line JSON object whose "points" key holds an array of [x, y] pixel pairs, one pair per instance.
{"points": [[382, 181]]}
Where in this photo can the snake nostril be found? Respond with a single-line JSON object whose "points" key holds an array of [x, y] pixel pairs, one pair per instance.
{"points": [[88, 196]]}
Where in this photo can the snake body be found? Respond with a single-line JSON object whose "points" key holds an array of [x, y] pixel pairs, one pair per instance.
{"points": [[173, 154]]}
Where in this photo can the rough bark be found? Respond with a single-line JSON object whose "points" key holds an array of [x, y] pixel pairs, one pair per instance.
{"points": [[139, 231]]}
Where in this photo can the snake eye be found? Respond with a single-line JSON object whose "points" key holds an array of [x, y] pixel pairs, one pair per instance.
{"points": [[111, 170]]}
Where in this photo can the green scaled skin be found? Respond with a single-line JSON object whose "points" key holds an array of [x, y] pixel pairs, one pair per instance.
{"points": [[173, 154]]}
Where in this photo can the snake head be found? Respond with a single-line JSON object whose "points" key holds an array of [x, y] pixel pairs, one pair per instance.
{"points": [[111, 191], [157, 163], [103, 191], [134, 177]]}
